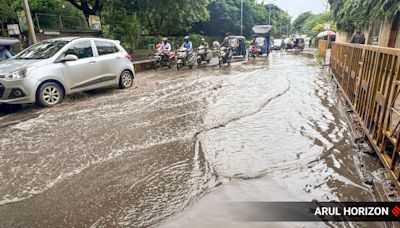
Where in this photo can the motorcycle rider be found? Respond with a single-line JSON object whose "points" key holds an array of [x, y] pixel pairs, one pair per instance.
{"points": [[189, 47], [253, 45], [187, 44], [204, 43], [226, 43], [166, 46], [166, 49]]}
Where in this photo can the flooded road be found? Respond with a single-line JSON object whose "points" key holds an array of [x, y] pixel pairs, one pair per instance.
{"points": [[177, 144]]}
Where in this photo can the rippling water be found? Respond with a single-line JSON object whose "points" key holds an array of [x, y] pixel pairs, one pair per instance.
{"points": [[137, 157]]}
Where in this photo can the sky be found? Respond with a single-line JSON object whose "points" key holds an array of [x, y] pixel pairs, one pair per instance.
{"points": [[296, 7]]}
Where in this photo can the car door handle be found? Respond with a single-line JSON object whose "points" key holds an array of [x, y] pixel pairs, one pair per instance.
{"points": [[119, 57], [91, 62]]}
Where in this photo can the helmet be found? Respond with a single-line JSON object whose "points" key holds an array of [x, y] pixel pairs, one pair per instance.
{"points": [[226, 39], [202, 39], [186, 38], [165, 39]]}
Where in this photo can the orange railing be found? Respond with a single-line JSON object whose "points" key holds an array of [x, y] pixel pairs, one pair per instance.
{"points": [[322, 47], [369, 76]]}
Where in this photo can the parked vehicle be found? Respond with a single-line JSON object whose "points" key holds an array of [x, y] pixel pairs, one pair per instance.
{"points": [[238, 46], [162, 59], [299, 43], [185, 58], [225, 56], [47, 71], [288, 43], [203, 55], [263, 39], [278, 44]]}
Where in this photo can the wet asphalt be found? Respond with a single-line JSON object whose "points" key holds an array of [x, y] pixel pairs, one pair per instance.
{"points": [[178, 143]]}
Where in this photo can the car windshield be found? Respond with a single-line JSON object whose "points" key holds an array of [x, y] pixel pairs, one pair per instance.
{"points": [[277, 41], [260, 40], [232, 40], [42, 50]]}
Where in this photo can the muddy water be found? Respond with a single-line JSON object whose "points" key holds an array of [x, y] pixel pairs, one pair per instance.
{"points": [[139, 157]]}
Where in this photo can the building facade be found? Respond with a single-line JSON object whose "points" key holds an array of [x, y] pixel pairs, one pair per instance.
{"points": [[382, 33]]}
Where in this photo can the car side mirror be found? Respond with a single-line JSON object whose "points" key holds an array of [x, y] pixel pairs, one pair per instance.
{"points": [[69, 58]]}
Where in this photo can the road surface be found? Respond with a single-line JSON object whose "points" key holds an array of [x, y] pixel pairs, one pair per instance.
{"points": [[178, 143]]}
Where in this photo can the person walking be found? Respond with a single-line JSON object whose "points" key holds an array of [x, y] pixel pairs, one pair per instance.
{"points": [[358, 37]]}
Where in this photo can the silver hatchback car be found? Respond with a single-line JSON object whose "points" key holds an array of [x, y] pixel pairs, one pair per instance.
{"points": [[47, 71]]}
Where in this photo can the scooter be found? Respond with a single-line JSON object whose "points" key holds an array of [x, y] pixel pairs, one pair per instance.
{"points": [[203, 55], [185, 58], [225, 56], [161, 59]]}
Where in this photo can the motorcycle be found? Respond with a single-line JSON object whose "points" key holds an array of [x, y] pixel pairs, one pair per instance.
{"points": [[203, 55], [185, 58], [161, 59], [252, 52], [225, 56]]}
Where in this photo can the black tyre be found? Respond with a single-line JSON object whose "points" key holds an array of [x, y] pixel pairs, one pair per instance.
{"points": [[49, 94], [126, 80], [157, 64]]}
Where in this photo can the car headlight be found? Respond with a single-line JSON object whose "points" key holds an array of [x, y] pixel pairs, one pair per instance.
{"points": [[19, 74]]}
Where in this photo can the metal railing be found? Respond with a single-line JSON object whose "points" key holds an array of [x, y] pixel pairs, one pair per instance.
{"points": [[54, 22], [369, 76]]}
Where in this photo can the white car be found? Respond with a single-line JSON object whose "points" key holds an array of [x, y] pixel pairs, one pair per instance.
{"points": [[47, 71]]}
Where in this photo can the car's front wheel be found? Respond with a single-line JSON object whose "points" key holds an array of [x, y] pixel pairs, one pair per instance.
{"points": [[126, 80], [49, 94]]}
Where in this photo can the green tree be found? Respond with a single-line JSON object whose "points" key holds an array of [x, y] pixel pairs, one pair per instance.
{"points": [[120, 21], [349, 14], [171, 16], [225, 17], [88, 7], [7, 14], [299, 21], [280, 20], [312, 24]]}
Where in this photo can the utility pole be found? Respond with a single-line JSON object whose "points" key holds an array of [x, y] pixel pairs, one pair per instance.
{"points": [[327, 6], [270, 10], [241, 18], [270, 4], [31, 29], [287, 27]]}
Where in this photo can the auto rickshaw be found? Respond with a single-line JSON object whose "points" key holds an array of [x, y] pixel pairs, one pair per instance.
{"points": [[6, 43], [262, 38], [299, 43], [238, 46]]}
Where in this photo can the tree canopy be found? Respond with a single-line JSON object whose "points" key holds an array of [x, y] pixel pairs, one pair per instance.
{"points": [[225, 18], [130, 20], [349, 14], [299, 21], [312, 24], [88, 7]]}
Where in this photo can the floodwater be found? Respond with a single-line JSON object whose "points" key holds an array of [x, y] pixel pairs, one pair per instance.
{"points": [[178, 144]]}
